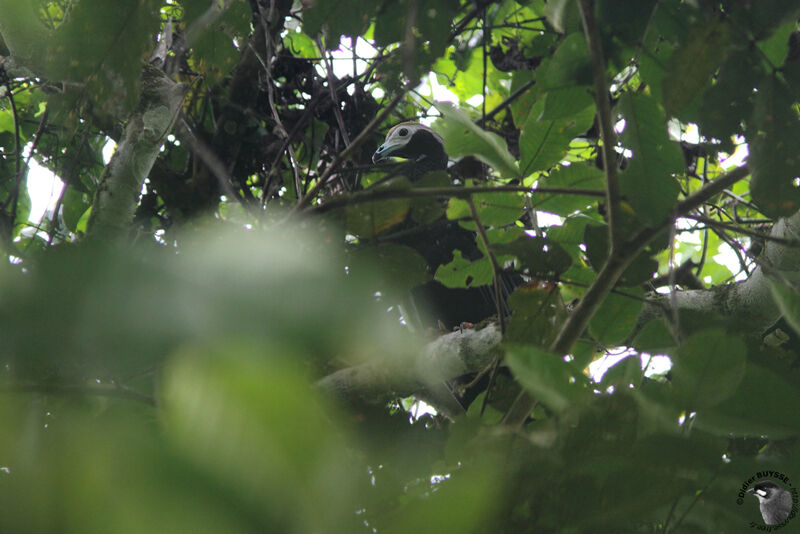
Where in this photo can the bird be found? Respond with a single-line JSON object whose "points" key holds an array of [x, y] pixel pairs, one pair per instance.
{"points": [[774, 501], [433, 305], [422, 145]]}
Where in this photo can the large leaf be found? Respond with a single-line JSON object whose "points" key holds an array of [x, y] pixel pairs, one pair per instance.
{"points": [[550, 379], [399, 266], [538, 314], [214, 50], [647, 183], [543, 142], [542, 257], [569, 65], [730, 100], [765, 403], [617, 317], [578, 176], [774, 159], [692, 65], [708, 369], [462, 137], [339, 17], [393, 20], [224, 415], [639, 271], [110, 67], [367, 219], [788, 300], [461, 272]]}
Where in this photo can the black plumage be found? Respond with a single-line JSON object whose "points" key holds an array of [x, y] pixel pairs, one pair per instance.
{"points": [[774, 501], [422, 146], [432, 304]]}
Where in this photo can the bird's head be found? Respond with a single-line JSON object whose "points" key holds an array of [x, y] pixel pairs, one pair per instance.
{"points": [[774, 501], [413, 141], [764, 490]]}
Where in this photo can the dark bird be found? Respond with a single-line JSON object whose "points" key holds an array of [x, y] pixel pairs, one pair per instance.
{"points": [[774, 501], [416, 142], [432, 303]]}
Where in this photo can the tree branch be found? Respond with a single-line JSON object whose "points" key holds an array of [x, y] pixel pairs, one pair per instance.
{"points": [[595, 44], [344, 154], [496, 269], [147, 127], [449, 356], [456, 192]]}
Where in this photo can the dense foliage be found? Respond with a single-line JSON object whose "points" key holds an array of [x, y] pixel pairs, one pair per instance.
{"points": [[203, 333]]}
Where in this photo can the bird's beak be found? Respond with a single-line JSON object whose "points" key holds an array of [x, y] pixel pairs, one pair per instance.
{"points": [[385, 151]]}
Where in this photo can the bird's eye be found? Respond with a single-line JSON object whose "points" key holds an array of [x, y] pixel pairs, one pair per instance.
{"points": [[402, 132]]}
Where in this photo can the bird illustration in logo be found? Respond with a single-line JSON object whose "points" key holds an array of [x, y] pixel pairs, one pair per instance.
{"points": [[774, 501]]}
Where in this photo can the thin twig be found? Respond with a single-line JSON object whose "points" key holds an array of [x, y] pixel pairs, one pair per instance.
{"points": [[115, 391], [745, 231], [507, 102], [673, 296], [334, 97], [268, 46], [13, 195], [595, 44], [496, 269], [341, 156], [454, 192], [214, 164]]}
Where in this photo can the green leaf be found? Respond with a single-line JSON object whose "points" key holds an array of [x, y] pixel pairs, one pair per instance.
{"points": [[708, 368], [647, 183], [499, 209], [546, 376], [109, 70], [578, 176], [214, 52], [393, 19], [692, 65], [568, 67], [429, 209], [566, 102], [522, 105], [563, 15], [27, 36], [461, 272], [543, 143], [371, 218], [7, 120], [538, 313], [339, 17], [639, 271], [399, 266], [458, 208], [730, 100], [617, 317], [764, 404], [788, 300], [301, 45], [776, 46], [463, 138], [631, 19], [542, 257], [623, 373], [774, 160], [224, 411], [74, 206], [654, 338]]}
